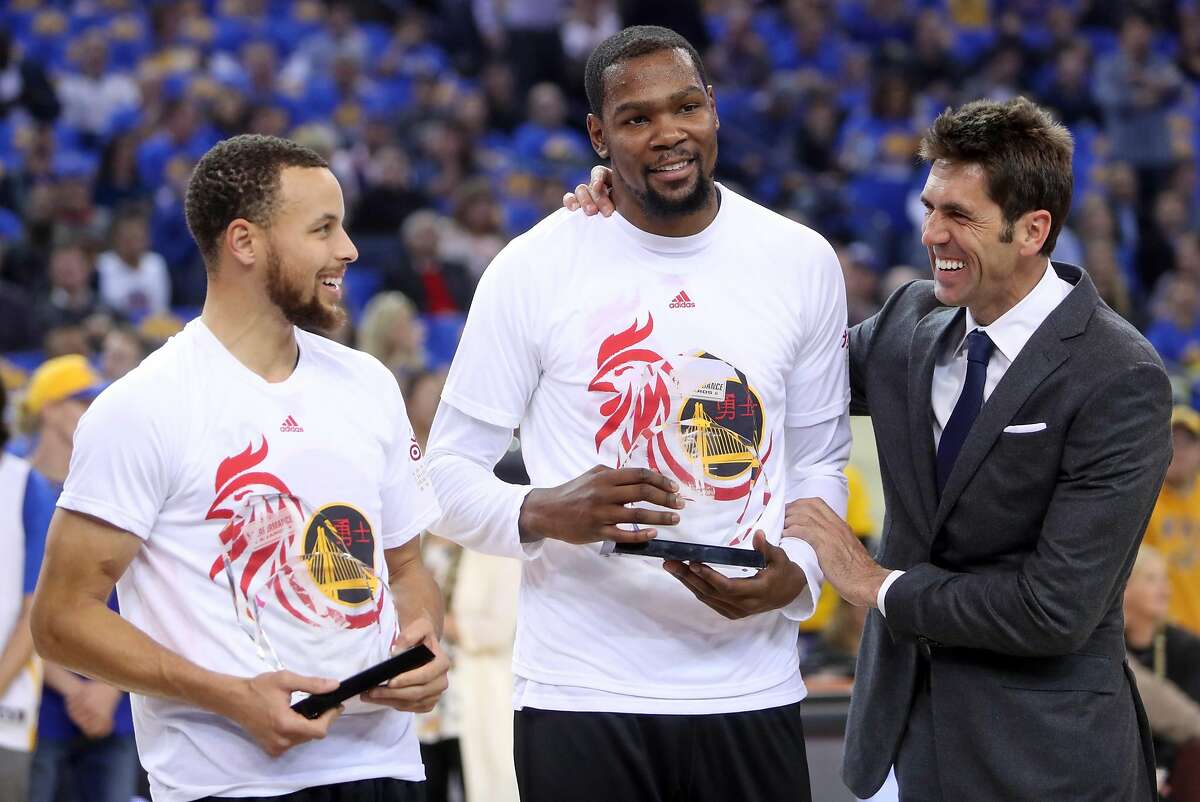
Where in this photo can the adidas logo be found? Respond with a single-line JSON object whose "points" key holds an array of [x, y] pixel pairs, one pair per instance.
{"points": [[681, 301], [289, 425]]}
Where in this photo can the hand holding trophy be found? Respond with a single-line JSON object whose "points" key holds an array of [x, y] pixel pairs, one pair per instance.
{"points": [[310, 603], [708, 443]]}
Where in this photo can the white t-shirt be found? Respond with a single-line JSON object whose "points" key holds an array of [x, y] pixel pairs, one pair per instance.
{"points": [[19, 701], [168, 453], [562, 322], [141, 290]]}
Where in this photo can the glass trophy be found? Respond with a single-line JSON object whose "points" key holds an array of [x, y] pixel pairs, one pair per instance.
{"points": [[707, 440], [305, 593]]}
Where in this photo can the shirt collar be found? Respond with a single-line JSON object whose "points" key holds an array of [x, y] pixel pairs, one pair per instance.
{"points": [[1013, 329]]}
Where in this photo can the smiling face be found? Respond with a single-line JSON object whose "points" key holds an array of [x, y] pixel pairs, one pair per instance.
{"points": [[308, 249], [659, 127], [978, 260]]}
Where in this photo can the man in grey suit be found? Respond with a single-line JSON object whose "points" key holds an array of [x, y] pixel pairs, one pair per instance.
{"points": [[1023, 430]]}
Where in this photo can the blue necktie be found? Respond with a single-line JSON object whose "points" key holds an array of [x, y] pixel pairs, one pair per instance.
{"points": [[979, 351]]}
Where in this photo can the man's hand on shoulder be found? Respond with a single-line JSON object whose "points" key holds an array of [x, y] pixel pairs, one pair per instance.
{"points": [[775, 586], [592, 507], [594, 197]]}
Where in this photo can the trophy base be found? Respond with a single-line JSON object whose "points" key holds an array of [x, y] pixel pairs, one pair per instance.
{"points": [[313, 706], [693, 552]]}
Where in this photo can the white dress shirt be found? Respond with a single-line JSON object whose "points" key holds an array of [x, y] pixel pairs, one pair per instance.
{"points": [[1009, 333]]}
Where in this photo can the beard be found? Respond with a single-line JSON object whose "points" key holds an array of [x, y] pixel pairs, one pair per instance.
{"points": [[300, 308], [655, 204]]}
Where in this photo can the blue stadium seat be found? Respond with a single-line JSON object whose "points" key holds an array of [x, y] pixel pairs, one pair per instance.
{"points": [[362, 281], [442, 332]]}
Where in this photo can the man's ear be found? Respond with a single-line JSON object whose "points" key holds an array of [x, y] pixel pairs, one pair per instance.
{"points": [[712, 99], [1033, 228], [241, 238], [596, 135]]}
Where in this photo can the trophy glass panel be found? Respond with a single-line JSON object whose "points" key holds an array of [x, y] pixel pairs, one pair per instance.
{"points": [[702, 427], [306, 602]]}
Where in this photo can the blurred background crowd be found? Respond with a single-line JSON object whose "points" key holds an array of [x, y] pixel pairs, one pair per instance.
{"points": [[454, 125]]}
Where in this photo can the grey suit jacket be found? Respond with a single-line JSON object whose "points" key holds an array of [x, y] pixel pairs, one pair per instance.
{"points": [[1014, 576]]}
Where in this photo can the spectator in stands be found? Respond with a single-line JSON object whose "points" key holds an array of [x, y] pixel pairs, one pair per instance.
{"points": [[388, 196], [76, 215], [122, 351], [315, 54], [1156, 245], [1069, 93], [392, 332], [1174, 528], [134, 280], [117, 181], [546, 138], [85, 742], [931, 65], [484, 610], [24, 85], [184, 132], [435, 285], [1136, 87], [1188, 59], [71, 299], [18, 331], [476, 233], [1165, 658], [503, 102], [23, 539], [1101, 259], [93, 95], [1173, 329], [525, 33]]}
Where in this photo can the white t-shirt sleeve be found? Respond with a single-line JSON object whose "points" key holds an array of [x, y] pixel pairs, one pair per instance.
{"points": [[479, 510], [496, 367], [121, 466], [818, 387], [409, 503]]}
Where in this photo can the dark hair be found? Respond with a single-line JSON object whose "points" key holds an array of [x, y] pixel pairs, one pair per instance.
{"points": [[239, 178], [639, 40], [1024, 153]]}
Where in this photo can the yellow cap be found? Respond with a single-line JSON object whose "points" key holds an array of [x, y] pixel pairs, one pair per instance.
{"points": [[60, 378], [1186, 417]]}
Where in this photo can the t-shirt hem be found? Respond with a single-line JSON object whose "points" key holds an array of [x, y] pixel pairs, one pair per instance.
{"points": [[407, 772], [604, 685], [479, 411], [105, 512], [772, 696]]}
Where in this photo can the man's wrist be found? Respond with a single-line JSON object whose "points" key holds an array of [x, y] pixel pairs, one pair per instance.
{"points": [[529, 519], [872, 586]]}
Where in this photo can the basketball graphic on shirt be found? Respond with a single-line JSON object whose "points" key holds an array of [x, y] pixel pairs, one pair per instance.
{"points": [[712, 438], [338, 545]]}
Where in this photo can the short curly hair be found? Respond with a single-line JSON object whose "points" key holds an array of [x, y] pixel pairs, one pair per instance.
{"points": [[631, 43], [1024, 153], [239, 178]]}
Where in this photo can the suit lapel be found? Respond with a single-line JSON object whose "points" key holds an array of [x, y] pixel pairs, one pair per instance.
{"points": [[926, 344], [1040, 357]]}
